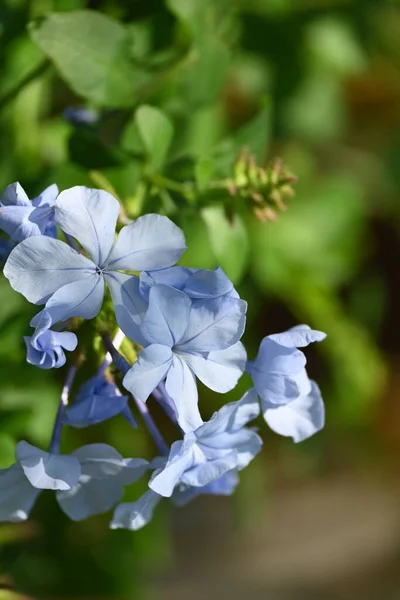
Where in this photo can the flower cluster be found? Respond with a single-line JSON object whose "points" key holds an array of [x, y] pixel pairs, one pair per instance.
{"points": [[184, 325]]}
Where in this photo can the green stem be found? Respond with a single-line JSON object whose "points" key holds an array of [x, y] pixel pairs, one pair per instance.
{"points": [[186, 190], [36, 72]]}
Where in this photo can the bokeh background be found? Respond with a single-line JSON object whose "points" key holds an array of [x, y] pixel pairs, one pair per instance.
{"points": [[317, 83]]}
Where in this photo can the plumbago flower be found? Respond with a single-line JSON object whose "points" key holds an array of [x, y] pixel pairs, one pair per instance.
{"points": [[184, 339], [195, 283], [216, 447], [188, 322], [48, 271], [206, 461], [20, 218], [45, 348], [292, 404], [87, 482], [96, 401]]}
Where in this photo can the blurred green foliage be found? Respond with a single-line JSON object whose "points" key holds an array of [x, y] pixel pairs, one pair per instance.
{"points": [[180, 87]]}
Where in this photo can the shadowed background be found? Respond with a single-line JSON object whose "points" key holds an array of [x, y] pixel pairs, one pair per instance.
{"points": [[316, 83]]}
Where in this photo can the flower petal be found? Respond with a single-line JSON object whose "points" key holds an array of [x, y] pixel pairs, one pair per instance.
{"points": [[17, 496], [129, 305], [232, 416], [209, 284], [151, 242], [181, 387], [77, 299], [47, 471], [90, 216], [224, 486], [209, 471], [278, 373], [167, 317], [299, 419], [14, 195], [219, 370], [175, 277], [214, 324], [181, 458], [150, 368], [47, 197], [90, 497], [99, 460], [94, 405], [40, 265], [298, 337], [135, 515], [18, 222]]}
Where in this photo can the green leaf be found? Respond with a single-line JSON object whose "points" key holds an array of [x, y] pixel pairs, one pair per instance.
{"points": [[204, 170], [254, 136], [90, 51], [229, 241], [156, 132], [206, 67]]}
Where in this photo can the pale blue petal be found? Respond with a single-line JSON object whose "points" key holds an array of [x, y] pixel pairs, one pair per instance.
{"points": [[181, 387], [47, 471], [181, 458], [150, 368], [298, 337], [14, 195], [133, 470], [232, 416], [90, 497], [151, 242], [219, 370], [209, 471], [17, 496], [209, 284], [278, 373], [40, 265], [18, 223], [90, 216], [47, 197], [214, 324], [99, 460], [167, 317], [175, 277], [224, 486], [96, 401], [299, 419], [129, 305], [77, 299], [135, 515]]}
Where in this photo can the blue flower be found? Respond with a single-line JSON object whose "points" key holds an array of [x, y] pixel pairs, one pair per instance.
{"points": [[80, 115], [88, 482], [97, 400], [135, 515], [45, 348], [216, 447], [224, 486], [20, 218], [292, 404], [196, 283], [184, 339], [48, 271]]}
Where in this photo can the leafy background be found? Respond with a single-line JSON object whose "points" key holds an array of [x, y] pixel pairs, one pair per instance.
{"points": [[175, 89]]}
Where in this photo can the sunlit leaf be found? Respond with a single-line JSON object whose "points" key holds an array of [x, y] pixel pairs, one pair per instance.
{"points": [[156, 132], [90, 51], [229, 241]]}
